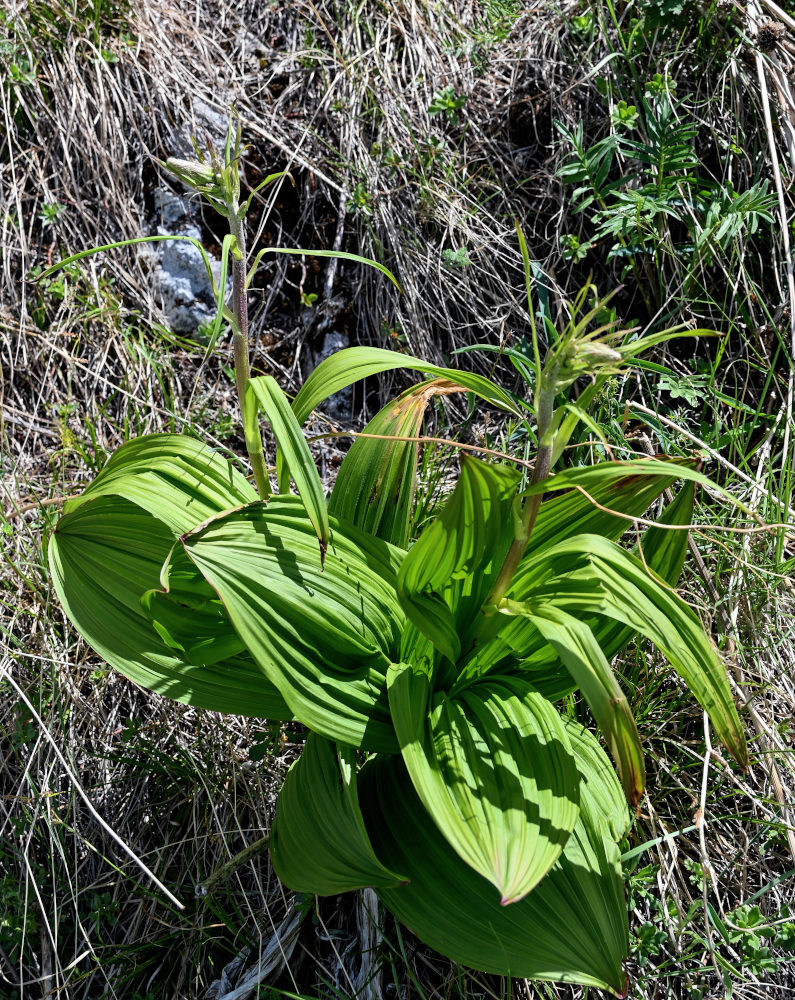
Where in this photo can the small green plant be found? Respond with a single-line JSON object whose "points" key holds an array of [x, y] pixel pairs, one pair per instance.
{"points": [[360, 200], [572, 248], [753, 935], [437, 769], [22, 73], [447, 102], [691, 388], [493, 22], [624, 115], [582, 25], [649, 940], [51, 212], [456, 258], [17, 918], [664, 214], [659, 85], [104, 912], [98, 298]]}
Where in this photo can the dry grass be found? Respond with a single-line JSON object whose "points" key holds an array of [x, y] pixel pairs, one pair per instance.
{"points": [[340, 95]]}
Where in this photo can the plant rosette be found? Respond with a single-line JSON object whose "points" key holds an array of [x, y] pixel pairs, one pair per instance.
{"points": [[438, 768]]}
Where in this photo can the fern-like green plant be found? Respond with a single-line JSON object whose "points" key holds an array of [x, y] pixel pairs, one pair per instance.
{"points": [[657, 208], [438, 768]]}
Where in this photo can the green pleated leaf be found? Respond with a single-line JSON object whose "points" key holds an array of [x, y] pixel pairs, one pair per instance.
{"points": [[319, 843], [324, 637], [560, 518], [104, 556], [635, 470], [571, 928], [494, 769], [591, 574], [177, 479], [354, 363], [664, 550], [376, 482], [448, 572], [601, 795], [264, 393], [600, 500], [585, 660], [188, 616]]}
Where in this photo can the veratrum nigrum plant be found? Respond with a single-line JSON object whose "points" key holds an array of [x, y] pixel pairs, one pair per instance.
{"points": [[438, 768]]}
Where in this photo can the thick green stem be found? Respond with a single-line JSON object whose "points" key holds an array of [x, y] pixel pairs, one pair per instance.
{"points": [[237, 228], [543, 466]]}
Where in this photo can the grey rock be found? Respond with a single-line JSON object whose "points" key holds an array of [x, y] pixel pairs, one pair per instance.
{"points": [[338, 406], [171, 209], [206, 122], [180, 274]]}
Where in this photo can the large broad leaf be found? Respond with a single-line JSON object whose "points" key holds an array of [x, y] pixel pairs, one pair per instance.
{"points": [[324, 637], [601, 796], [104, 556], [264, 393], [188, 616], [600, 500], [585, 660], [448, 572], [572, 927], [494, 769], [177, 479], [559, 518], [589, 574], [376, 482], [319, 843], [354, 363]]}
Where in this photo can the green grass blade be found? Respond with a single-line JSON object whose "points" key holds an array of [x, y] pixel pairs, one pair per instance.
{"points": [[340, 254], [128, 243]]}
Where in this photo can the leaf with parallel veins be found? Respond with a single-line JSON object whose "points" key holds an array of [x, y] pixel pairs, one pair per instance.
{"points": [[177, 479], [104, 556], [494, 769], [323, 636], [448, 572], [583, 657], [589, 574], [571, 928], [376, 482], [318, 842]]}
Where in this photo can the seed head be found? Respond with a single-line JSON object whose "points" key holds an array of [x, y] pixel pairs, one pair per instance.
{"points": [[596, 353], [769, 34], [192, 172]]}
